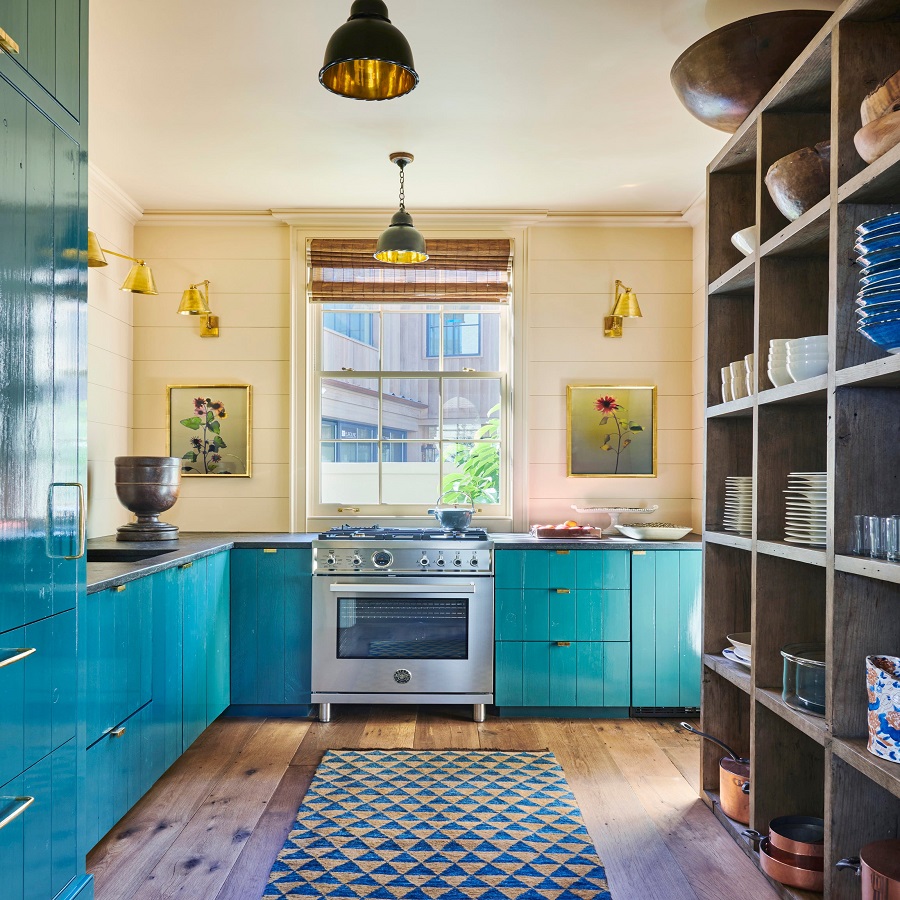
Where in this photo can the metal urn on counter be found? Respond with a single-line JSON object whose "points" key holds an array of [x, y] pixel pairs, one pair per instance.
{"points": [[148, 486]]}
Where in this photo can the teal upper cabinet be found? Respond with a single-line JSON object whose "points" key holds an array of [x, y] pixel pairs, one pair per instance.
{"points": [[270, 627], [665, 602], [48, 33]]}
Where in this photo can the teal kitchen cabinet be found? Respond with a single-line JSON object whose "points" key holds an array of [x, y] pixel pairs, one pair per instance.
{"points": [[562, 630], [665, 644], [270, 628]]}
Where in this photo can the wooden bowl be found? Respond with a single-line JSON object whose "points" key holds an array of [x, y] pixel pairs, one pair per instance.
{"points": [[876, 138], [724, 75], [883, 100], [798, 181]]}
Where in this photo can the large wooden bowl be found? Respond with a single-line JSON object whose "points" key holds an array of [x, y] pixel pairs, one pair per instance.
{"points": [[725, 74], [798, 181]]}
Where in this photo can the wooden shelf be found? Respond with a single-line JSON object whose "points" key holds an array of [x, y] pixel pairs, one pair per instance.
{"points": [[806, 236], [812, 726], [810, 390], [741, 408], [814, 556], [883, 372], [883, 772], [739, 277], [877, 183], [737, 674], [728, 539], [879, 569]]}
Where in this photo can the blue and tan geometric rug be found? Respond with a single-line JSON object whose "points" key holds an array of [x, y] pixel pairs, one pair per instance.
{"points": [[439, 825]]}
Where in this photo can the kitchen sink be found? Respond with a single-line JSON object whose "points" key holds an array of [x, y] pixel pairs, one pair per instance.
{"points": [[124, 554]]}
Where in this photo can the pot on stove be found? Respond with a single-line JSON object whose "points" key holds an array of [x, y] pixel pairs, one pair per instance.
{"points": [[451, 517]]}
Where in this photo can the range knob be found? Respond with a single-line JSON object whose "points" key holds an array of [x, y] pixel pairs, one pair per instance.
{"points": [[331, 560], [381, 559], [424, 560], [457, 562], [473, 562], [357, 559], [440, 561]]}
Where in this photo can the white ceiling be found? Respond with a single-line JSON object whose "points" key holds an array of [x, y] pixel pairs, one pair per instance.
{"points": [[562, 105]]}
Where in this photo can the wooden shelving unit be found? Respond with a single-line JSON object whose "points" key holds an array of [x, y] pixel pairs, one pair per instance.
{"points": [[802, 281]]}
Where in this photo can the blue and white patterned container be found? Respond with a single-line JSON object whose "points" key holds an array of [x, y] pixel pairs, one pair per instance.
{"points": [[883, 685]]}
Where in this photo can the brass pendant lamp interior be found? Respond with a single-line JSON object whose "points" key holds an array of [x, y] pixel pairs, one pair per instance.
{"points": [[625, 307], [139, 279], [368, 58], [400, 243]]}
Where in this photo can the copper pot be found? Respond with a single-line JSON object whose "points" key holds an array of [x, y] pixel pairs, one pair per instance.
{"points": [[804, 872], [878, 865], [734, 780]]}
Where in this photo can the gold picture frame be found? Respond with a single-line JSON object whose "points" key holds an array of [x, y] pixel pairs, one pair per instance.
{"points": [[601, 442], [209, 427]]}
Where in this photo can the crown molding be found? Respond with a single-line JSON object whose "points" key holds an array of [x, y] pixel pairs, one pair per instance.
{"points": [[695, 213], [429, 218], [111, 193], [209, 218]]}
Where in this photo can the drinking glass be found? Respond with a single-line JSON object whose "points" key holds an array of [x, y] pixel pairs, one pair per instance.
{"points": [[860, 536], [875, 537], [890, 527]]}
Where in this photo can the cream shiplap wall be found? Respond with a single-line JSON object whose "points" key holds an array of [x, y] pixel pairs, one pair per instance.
{"points": [[571, 276], [249, 271], [111, 215]]}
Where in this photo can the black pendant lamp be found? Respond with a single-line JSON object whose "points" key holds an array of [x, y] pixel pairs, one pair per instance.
{"points": [[400, 242], [368, 58]]}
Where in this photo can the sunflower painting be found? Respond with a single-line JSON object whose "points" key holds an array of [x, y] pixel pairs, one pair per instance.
{"points": [[611, 431], [209, 428]]}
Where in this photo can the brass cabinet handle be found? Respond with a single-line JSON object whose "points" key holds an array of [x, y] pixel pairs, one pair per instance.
{"points": [[24, 803], [117, 732], [15, 654], [10, 46], [186, 565], [348, 509], [563, 552], [269, 550], [562, 591], [563, 643], [118, 588], [82, 518]]}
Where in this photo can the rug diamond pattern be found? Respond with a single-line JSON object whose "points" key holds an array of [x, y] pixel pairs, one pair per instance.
{"points": [[438, 825]]}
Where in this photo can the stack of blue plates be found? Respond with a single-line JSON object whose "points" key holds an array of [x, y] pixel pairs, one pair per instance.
{"points": [[878, 300]]}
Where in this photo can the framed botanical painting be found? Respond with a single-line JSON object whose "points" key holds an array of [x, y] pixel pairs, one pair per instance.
{"points": [[611, 431], [209, 428]]}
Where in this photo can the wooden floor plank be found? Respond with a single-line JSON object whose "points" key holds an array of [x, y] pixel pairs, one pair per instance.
{"points": [[446, 728], [121, 862], [710, 860], [390, 727], [343, 731], [250, 874], [209, 846], [638, 864], [510, 734], [682, 747]]}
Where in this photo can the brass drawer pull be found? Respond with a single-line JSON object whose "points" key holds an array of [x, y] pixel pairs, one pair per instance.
{"points": [[185, 565], [563, 643], [562, 591], [24, 803], [118, 588], [269, 550], [10, 46], [348, 509], [117, 732], [15, 654], [563, 552]]}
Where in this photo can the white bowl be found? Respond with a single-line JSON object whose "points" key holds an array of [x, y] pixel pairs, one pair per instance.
{"points": [[726, 391], [779, 376], [812, 339], [642, 533], [806, 357], [741, 641], [739, 388], [802, 346], [738, 369], [801, 369], [745, 240], [778, 342]]}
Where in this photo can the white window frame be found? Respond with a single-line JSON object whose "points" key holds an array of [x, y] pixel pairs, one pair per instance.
{"points": [[307, 515]]}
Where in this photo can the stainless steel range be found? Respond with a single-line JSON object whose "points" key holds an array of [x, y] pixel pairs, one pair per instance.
{"points": [[402, 616]]}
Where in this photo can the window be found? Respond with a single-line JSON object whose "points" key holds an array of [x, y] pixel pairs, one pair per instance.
{"points": [[411, 394], [462, 334]]}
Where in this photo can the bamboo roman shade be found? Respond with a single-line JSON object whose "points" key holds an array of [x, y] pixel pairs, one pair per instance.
{"points": [[457, 271]]}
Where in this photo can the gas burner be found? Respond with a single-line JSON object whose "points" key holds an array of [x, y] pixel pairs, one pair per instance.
{"points": [[382, 533]]}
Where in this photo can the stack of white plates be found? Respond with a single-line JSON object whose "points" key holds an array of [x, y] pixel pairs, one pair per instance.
{"points": [[740, 650], [805, 516], [738, 503]]}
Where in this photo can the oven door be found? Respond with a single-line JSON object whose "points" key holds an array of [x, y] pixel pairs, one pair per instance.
{"points": [[396, 635]]}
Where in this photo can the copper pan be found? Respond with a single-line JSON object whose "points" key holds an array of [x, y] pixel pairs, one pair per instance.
{"points": [[804, 872], [734, 780], [802, 835]]}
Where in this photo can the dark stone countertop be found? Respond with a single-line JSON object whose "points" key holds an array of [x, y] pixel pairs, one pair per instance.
{"points": [[195, 545]]}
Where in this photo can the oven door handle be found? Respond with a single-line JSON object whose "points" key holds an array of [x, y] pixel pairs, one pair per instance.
{"points": [[388, 588]]}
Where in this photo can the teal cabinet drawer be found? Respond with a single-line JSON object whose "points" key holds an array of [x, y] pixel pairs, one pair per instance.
{"points": [[38, 852], [603, 570], [508, 614], [562, 674], [666, 628], [602, 616], [561, 569], [117, 631]]}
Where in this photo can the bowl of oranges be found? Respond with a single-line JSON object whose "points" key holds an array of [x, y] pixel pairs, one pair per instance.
{"points": [[565, 531]]}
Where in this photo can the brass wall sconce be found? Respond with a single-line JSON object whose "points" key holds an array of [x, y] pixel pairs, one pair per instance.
{"points": [[139, 280], [195, 302], [625, 307]]}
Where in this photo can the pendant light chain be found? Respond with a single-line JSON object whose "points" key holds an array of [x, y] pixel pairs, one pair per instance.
{"points": [[402, 192]]}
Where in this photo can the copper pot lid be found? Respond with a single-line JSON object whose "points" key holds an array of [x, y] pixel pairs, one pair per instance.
{"points": [[883, 857], [735, 767]]}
